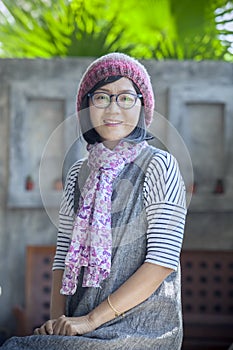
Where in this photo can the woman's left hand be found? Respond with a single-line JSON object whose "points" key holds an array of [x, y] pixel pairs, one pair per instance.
{"points": [[70, 326]]}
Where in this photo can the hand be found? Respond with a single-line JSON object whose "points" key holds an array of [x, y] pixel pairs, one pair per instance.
{"points": [[66, 326], [46, 328]]}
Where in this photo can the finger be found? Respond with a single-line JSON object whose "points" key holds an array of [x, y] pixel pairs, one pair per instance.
{"points": [[49, 327], [36, 331], [69, 329], [45, 329], [66, 327], [40, 331], [59, 325]]}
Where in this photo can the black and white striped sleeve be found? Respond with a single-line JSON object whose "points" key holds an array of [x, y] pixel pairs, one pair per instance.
{"points": [[165, 203], [66, 217]]}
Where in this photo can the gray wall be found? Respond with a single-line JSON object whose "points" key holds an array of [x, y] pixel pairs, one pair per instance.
{"points": [[36, 96]]}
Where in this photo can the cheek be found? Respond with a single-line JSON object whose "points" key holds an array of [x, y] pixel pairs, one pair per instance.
{"points": [[133, 117], [95, 116]]}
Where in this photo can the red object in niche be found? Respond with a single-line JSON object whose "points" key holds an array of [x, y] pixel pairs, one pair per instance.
{"points": [[219, 187], [58, 185], [193, 188], [29, 184]]}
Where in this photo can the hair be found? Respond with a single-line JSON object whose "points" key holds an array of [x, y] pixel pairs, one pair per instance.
{"points": [[91, 136]]}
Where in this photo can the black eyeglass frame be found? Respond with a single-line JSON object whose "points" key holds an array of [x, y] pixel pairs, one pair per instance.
{"points": [[136, 96]]}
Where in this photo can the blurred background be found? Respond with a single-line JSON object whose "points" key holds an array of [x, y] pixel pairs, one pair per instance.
{"points": [[187, 47]]}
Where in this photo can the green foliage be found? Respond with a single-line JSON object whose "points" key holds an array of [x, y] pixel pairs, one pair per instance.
{"points": [[159, 29]]}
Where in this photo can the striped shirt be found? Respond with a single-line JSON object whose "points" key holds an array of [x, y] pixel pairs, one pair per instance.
{"points": [[165, 206]]}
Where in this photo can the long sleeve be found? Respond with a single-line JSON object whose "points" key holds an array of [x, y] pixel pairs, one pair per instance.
{"points": [[165, 204], [66, 217]]}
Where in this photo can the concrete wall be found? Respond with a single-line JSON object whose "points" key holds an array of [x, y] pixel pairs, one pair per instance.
{"points": [[37, 95]]}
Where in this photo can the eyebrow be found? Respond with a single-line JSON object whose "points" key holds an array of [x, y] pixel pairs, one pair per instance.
{"points": [[119, 92]]}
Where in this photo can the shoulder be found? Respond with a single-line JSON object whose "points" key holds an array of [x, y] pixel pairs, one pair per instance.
{"points": [[73, 172], [74, 169], [161, 162], [163, 180]]}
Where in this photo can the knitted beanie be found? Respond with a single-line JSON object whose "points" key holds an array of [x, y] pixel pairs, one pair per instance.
{"points": [[118, 64]]}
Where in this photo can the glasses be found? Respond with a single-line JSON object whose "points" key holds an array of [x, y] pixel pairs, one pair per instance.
{"points": [[123, 100]]}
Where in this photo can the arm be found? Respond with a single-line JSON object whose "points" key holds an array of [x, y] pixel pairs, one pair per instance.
{"points": [[57, 305], [58, 301], [66, 217], [139, 287], [134, 291]]}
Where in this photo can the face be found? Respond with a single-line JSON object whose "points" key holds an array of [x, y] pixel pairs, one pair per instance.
{"points": [[113, 122]]}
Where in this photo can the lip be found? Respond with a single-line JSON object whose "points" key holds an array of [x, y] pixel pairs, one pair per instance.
{"points": [[111, 122]]}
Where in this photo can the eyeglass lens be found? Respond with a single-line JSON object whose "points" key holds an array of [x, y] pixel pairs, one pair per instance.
{"points": [[124, 100]]}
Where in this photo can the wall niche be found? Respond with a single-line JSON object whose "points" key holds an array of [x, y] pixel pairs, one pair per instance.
{"points": [[36, 110], [202, 114]]}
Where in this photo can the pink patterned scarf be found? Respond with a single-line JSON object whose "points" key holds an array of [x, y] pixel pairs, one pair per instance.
{"points": [[91, 243]]}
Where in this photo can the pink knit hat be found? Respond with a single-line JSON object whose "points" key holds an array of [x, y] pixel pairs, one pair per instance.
{"points": [[118, 64]]}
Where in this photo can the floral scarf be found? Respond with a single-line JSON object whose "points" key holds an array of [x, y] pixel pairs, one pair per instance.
{"points": [[91, 242]]}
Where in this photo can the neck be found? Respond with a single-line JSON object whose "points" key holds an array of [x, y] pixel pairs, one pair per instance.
{"points": [[111, 144]]}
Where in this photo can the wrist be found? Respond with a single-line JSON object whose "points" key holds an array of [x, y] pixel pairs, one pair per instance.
{"points": [[101, 314], [116, 312]]}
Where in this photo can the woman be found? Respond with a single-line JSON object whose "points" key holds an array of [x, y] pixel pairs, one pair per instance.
{"points": [[116, 278]]}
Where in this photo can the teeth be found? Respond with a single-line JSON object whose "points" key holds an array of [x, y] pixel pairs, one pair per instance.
{"points": [[111, 122]]}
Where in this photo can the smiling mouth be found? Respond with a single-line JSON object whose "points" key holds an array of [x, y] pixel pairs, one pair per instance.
{"points": [[110, 122]]}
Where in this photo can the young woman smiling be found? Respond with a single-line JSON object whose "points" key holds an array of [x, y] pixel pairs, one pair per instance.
{"points": [[116, 276]]}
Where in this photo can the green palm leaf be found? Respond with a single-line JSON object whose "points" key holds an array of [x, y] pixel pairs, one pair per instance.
{"points": [[159, 29]]}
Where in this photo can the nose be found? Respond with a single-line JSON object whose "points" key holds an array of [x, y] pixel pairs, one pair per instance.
{"points": [[113, 104]]}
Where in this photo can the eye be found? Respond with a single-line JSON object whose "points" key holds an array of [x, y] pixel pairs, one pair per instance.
{"points": [[101, 97], [126, 98]]}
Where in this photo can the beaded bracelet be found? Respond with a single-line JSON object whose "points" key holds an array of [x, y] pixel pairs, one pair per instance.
{"points": [[117, 313]]}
